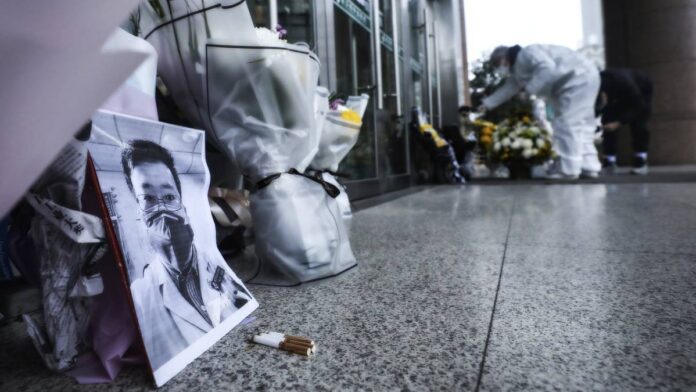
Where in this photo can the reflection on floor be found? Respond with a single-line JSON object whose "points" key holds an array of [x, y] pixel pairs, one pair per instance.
{"points": [[534, 287]]}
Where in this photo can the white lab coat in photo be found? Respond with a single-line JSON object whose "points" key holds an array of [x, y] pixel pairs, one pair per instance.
{"points": [[167, 321], [570, 84]]}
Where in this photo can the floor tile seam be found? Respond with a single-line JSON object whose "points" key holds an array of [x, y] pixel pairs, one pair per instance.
{"points": [[495, 298], [512, 244]]}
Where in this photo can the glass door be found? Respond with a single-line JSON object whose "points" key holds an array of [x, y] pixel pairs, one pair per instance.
{"points": [[369, 58], [354, 75], [297, 17], [392, 141], [260, 11]]}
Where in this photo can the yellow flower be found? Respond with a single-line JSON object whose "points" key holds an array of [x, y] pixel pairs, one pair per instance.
{"points": [[427, 128], [484, 124], [351, 116], [485, 139], [526, 120]]}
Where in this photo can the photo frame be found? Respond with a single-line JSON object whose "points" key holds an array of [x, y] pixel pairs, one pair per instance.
{"points": [[153, 182]]}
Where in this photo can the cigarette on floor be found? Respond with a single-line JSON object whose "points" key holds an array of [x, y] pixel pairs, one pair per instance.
{"points": [[294, 344]]}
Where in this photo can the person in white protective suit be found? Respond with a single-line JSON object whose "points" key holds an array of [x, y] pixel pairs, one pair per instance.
{"points": [[569, 83]]}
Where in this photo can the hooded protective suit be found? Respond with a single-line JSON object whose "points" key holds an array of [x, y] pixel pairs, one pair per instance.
{"points": [[570, 84]]}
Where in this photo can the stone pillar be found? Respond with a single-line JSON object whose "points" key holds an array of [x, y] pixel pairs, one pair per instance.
{"points": [[659, 37]]}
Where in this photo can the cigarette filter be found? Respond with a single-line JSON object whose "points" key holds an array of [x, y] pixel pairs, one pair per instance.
{"points": [[294, 344]]}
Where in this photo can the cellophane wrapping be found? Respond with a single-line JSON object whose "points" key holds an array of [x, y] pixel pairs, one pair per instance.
{"points": [[256, 97]]}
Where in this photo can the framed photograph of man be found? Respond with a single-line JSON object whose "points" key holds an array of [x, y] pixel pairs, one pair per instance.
{"points": [[154, 183]]}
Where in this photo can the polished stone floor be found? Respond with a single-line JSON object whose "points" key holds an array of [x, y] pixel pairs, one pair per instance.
{"points": [[496, 287]]}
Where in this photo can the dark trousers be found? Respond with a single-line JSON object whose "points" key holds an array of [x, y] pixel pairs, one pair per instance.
{"points": [[640, 139]]}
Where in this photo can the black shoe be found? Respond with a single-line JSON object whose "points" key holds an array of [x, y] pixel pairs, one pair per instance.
{"points": [[609, 167], [640, 166]]}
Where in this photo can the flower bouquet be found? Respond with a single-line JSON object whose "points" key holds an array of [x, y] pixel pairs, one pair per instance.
{"points": [[483, 132], [446, 164], [257, 97], [339, 135], [519, 145]]}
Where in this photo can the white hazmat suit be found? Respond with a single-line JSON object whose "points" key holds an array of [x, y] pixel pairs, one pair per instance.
{"points": [[570, 84]]}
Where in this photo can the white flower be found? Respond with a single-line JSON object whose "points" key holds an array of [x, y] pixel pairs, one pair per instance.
{"points": [[267, 37], [505, 142], [540, 143], [535, 151], [515, 144], [527, 153], [496, 146], [527, 144]]}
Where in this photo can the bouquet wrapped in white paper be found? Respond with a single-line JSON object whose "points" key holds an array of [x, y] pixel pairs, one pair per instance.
{"points": [[269, 119], [340, 132], [339, 135], [180, 31], [256, 97]]}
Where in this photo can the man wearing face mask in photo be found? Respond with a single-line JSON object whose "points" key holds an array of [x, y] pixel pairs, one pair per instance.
{"points": [[569, 83], [183, 294]]}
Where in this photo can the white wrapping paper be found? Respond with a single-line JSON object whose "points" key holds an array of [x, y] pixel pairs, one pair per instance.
{"points": [[180, 31], [339, 136], [299, 231], [255, 96]]}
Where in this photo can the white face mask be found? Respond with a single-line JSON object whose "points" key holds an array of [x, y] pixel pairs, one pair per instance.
{"points": [[503, 71]]}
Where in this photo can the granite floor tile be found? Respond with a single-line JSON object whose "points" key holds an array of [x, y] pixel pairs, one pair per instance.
{"points": [[569, 319], [598, 293], [632, 217], [465, 216], [413, 315]]}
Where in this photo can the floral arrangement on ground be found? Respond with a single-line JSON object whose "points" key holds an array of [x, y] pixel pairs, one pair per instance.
{"points": [[518, 141]]}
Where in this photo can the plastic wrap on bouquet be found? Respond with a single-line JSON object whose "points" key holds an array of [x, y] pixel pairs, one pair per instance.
{"points": [[261, 106], [180, 31], [342, 200], [266, 112], [300, 234], [339, 135], [321, 110]]}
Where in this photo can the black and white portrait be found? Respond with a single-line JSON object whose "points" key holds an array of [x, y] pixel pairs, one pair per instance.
{"points": [[155, 181]]}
